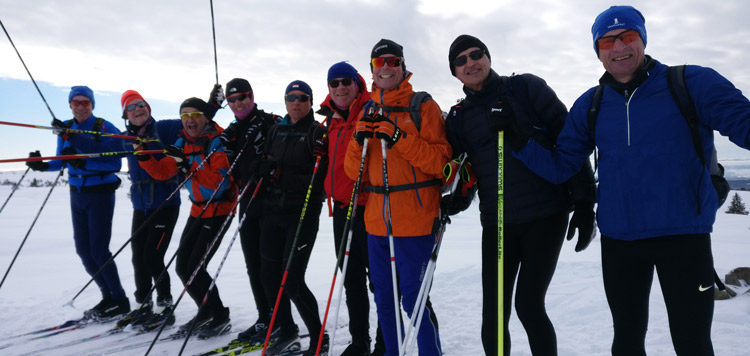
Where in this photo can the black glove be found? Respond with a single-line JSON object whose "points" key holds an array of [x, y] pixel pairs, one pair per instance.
{"points": [[60, 129], [229, 145], [365, 128], [37, 165], [264, 168], [179, 156], [386, 130], [455, 203], [320, 147], [501, 116], [584, 219], [216, 98], [75, 163]]}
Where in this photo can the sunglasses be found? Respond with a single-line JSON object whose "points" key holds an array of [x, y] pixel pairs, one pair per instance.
{"points": [[334, 83], [132, 107], [195, 115], [607, 42], [303, 98], [77, 103], [380, 62], [476, 55], [240, 97]]}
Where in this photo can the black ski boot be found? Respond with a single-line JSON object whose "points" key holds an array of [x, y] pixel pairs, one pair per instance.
{"points": [[219, 324], [287, 342], [137, 316], [314, 347]]}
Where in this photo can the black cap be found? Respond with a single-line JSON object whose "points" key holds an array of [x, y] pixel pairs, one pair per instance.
{"points": [[200, 105], [239, 85], [462, 43]]}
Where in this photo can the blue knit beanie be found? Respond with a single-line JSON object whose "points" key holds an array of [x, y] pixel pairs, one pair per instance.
{"points": [[342, 70], [82, 90], [299, 85], [617, 17]]}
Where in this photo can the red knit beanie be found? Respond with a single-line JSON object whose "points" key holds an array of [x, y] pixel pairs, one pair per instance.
{"points": [[129, 96]]}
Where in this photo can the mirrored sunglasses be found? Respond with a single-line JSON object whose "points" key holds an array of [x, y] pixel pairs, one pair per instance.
{"points": [[607, 42], [380, 62], [77, 103], [195, 115], [132, 107]]}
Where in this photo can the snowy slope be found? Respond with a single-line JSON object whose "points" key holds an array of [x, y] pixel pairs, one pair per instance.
{"points": [[48, 274]]}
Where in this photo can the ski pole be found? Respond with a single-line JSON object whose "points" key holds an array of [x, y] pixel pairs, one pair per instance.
{"points": [[54, 184], [15, 187], [291, 255], [389, 227], [424, 289], [343, 254], [205, 254], [143, 225], [213, 30], [80, 156], [500, 251], [229, 248], [27, 71], [89, 132]]}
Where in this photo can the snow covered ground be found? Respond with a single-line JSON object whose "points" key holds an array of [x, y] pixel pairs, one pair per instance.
{"points": [[48, 274]]}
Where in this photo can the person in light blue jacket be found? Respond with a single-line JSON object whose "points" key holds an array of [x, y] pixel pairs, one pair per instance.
{"points": [[92, 196], [656, 203]]}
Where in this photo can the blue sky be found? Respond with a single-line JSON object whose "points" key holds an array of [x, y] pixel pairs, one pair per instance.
{"points": [[165, 51]]}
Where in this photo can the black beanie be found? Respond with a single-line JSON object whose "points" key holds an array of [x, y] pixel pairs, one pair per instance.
{"points": [[200, 105], [385, 46], [239, 85], [462, 43]]}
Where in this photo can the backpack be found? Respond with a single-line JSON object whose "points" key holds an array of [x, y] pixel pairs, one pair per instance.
{"points": [[678, 89], [414, 109]]}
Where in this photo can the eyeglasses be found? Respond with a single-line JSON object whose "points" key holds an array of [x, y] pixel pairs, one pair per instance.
{"points": [[240, 97], [380, 62], [195, 115], [476, 55], [334, 83], [303, 98], [607, 42], [77, 103], [132, 107]]}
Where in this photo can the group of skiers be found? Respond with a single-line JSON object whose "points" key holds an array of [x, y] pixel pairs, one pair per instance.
{"points": [[399, 151]]}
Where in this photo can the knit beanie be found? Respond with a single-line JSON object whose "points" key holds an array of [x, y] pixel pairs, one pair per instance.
{"points": [[342, 70], [462, 43], [128, 97], [200, 105], [301, 86], [616, 17], [385, 46], [239, 85], [82, 90]]}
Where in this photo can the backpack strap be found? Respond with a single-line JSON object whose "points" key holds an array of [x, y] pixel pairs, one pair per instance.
{"points": [[414, 109], [678, 88], [591, 115]]}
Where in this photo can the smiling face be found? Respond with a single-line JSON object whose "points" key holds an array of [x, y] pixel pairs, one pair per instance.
{"points": [[140, 115], [237, 105], [475, 71], [194, 124], [387, 77], [622, 60], [81, 107], [343, 95]]}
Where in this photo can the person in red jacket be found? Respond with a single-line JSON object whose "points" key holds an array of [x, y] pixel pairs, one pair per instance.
{"points": [[347, 95], [199, 151]]}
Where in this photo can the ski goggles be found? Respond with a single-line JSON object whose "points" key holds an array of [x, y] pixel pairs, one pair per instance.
{"points": [[607, 42], [303, 98], [195, 115], [334, 83], [132, 107], [476, 55], [240, 97], [380, 62]]}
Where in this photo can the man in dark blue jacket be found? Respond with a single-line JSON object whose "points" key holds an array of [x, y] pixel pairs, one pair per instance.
{"points": [[92, 196], [656, 202], [150, 207], [535, 214]]}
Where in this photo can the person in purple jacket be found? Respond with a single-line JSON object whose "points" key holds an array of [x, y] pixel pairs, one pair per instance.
{"points": [[656, 202]]}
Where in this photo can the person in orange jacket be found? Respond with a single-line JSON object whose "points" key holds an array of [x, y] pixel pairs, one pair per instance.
{"points": [[190, 153], [415, 158]]}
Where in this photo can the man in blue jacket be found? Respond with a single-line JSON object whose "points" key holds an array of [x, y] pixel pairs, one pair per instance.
{"points": [[92, 197], [656, 203]]}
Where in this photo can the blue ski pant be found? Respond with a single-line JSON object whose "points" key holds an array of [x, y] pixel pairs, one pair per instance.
{"points": [[92, 230], [412, 254]]}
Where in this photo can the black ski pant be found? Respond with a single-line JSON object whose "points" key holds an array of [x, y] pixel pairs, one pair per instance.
{"points": [[277, 234], [530, 257], [357, 276], [194, 243], [149, 245], [250, 240], [684, 264]]}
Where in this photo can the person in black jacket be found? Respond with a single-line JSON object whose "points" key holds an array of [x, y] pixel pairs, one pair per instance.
{"points": [[244, 140], [535, 211], [289, 170]]}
